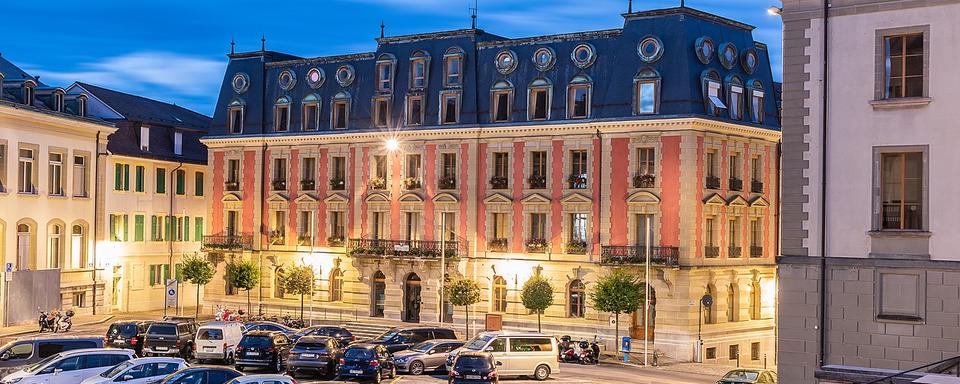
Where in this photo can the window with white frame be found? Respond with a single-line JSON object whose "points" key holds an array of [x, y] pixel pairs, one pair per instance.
{"points": [[902, 190], [80, 176], [499, 226], [177, 143], [578, 228], [538, 99], [281, 115], [278, 227], [733, 237], [336, 225], [82, 105], [578, 97], [646, 92], [26, 171], [538, 226], [578, 169], [311, 112], [55, 174], [419, 66], [58, 101], [712, 93], [378, 222], [381, 112], [308, 172], [3, 166], [501, 101], [756, 102], [145, 138], [415, 110], [735, 85], [413, 166], [233, 175], [411, 226], [235, 117], [643, 229], [232, 223], [340, 116], [385, 65], [28, 92], [453, 67], [305, 227], [450, 108]]}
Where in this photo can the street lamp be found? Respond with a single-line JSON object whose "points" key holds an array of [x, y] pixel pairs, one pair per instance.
{"points": [[775, 10]]}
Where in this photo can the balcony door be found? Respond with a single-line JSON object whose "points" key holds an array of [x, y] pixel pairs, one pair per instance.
{"points": [[643, 226]]}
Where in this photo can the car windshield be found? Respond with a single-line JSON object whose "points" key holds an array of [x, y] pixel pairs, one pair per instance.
{"points": [[386, 336], [742, 375], [358, 354], [122, 330], [162, 329], [473, 362], [210, 334], [478, 342], [41, 363], [256, 342], [117, 369], [423, 347]]}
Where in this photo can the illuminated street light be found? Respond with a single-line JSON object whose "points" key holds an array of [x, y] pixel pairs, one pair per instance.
{"points": [[392, 144]]}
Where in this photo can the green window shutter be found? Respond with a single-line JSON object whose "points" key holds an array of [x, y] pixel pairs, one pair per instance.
{"points": [[186, 228], [166, 273], [138, 228], [113, 228], [198, 228], [181, 187], [153, 228], [198, 184], [118, 177], [153, 275], [166, 227], [126, 177], [126, 226], [139, 178], [161, 180], [178, 272]]}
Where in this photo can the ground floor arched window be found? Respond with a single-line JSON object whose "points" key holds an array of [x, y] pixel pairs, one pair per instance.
{"points": [[577, 299], [336, 285], [499, 300]]}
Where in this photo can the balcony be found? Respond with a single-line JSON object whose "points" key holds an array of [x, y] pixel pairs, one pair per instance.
{"points": [[447, 182], [228, 242], [735, 184], [576, 248], [711, 251], [756, 251], [277, 238], [335, 241], [537, 182], [498, 245], [279, 185], [637, 255], [378, 183], [232, 186], [308, 185], [644, 181], [338, 184], [498, 182], [305, 240], [411, 183], [537, 246], [734, 251], [577, 181], [405, 249], [712, 182], [756, 186]]}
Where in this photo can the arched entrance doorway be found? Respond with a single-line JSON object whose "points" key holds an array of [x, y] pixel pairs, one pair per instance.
{"points": [[378, 291], [411, 299], [636, 324]]}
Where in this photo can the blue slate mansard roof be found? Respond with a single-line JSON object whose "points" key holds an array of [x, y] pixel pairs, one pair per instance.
{"points": [[680, 31]]}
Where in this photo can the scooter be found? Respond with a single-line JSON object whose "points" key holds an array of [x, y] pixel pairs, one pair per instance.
{"points": [[64, 321], [567, 352], [589, 352], [46, 321]]}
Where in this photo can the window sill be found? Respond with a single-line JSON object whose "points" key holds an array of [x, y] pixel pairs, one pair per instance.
{"points": [[899, 233], [909, 319], [898, 103], [33, 194]]}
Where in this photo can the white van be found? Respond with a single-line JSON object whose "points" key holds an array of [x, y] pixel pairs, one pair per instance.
{"points": [[516, 353], [70, 367], [217, 341]]}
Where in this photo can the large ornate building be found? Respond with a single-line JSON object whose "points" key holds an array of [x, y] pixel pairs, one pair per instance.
{"points": [[562, 155]]}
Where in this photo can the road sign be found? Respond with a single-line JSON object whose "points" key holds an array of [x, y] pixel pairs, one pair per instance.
{"points": [[171, 289], [613, 321], [9, 267], [8, 276], [706, 300]]}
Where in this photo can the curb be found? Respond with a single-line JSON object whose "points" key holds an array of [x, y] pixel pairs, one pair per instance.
{"points": [[21, 333]]}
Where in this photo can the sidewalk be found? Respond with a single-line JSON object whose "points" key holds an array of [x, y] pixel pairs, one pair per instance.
{"points": [[79, 320], [636, 360]]}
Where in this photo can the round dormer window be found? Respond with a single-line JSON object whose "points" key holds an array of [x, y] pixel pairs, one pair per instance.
{"points": [[241, 82], [345, 75], [583, 55], [750, 61], [315, 78], [650, 49], [506, 61], [543, 58], [705, 49], [728, 55], [287, 80]]}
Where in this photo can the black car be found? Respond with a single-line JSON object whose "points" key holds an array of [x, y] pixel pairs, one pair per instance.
{"points": [[314, 354], [263, 349], [201, 375], [367, 361], [401, 338], [127, 334], [473, 367], [170, 338], [272, 327], [343, 335]]}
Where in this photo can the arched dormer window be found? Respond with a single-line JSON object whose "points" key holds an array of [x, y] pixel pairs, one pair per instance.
{"points": [[578, 97], [419, 68], [539, 93], [756, 101], [340, 111], [385, 66], [82, 105], [235, 111], [735, 97], [646, 92], [311, 112], [453, 67], [281, 115], [28, 92], [712, 92], [58, 100], [501, 101]]}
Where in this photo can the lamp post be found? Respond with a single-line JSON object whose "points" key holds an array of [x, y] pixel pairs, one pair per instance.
{"points": [[443, 262], [646, 293]]}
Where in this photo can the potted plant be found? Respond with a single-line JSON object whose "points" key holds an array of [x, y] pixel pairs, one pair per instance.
{"points": [[411, 183], [537, 245], [337, 184], [498, 182], [279, 185], [448, 182], [577, 181], [644, 180], [498, 244], [307, 185], [537, 181], [335, 241], [576, 247], [276, 237], [378, 183]]}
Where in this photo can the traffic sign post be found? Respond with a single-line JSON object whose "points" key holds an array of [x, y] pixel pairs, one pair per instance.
{"points": [[625, 347], [171, 295]]}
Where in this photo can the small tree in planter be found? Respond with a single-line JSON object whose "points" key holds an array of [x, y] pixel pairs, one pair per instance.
{"points": [[463, 292], [618, 292], [537, 295], [199, 271], [299, 281], [245, 275]]}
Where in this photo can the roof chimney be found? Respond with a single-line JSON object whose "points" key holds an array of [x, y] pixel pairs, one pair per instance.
{"points": [[381, 28]]}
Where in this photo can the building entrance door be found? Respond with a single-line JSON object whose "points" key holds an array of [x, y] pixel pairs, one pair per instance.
{"points": [[636, 320], [379, 294], [411, 302]]}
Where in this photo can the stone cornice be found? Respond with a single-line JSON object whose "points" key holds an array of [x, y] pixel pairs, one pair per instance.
{"points": [[52, 120]]}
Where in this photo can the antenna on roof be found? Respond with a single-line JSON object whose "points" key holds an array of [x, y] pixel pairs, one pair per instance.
{"points": [[473, 14], [682, 4], [630, 6], [233, 45], [263, 42], [381, 28]]}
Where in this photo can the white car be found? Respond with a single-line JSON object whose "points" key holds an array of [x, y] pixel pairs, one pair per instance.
{"points": [[139, 371], [69, 367], [263, 379]]}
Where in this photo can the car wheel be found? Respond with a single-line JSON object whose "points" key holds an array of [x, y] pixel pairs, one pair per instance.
{"points": [[278, 365], [230, 360], [393, 372], [377, 378], [416, 368], [239, 368], [542, 372]]}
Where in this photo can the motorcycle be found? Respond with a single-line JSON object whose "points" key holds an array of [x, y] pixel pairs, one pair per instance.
{"points": [[567, 352], [589, 352], [46, 321], [64, 321]]}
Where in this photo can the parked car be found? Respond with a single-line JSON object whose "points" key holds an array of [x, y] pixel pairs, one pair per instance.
{"points": [[263, 349], [168, 338], [367, 361], [70, 367], [263, 379], [474, 367], [426, 356], [749, 376], [521, 353], [292, 333], [343, 335], [218, 340], [314, 354], [400, 338], [144, 370], [18, 353], [201, 375], [127, 334]]}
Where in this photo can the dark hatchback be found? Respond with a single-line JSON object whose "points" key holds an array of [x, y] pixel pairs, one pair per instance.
{"points": [[401, 338], [127, 334], [474, 367], [201, 375], [367, 361], [263, 349], [169, 338], [341, 334], [314, 355]]}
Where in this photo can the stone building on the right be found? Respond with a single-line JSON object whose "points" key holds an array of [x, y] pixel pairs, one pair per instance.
{"points": [[870, 267]]}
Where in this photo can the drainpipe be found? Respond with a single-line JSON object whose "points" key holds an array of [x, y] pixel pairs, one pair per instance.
{"points": [[823, 190], [96, 210], [172, 234], [263, 202], [599, 198]]}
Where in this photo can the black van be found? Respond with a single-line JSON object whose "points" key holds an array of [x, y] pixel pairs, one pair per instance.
{"points": [[15, 354], [401, 338]]}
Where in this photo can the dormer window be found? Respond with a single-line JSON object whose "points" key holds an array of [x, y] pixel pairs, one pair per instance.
{"points": [[578, 97], [58, 101], [646, 92], [453, 67], [281, 115], [385, 66], [735, 97], [381, 111], [81, 105], [712, 93], [145, 138], [235, 117], [415, 110], [340, 111], [178, 143], [419, 65], [756, 102], [311, 112], [538, 99], [501, 101], [28, 92], [450, 107]]}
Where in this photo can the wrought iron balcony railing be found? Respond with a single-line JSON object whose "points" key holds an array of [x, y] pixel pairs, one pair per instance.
{"points": [[228, 242], [644, 181], [279, 185], [308, 185], [756, 186], [756, 251], [338, 184], [405, 249], [232, 186], [712, 182], [537, 182], [734, 251], [498, 182], [711, 251], [736, 184], [637, 254]]}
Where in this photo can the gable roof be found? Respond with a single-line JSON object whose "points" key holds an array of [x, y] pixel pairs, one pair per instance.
{"points": [[139, 108]]}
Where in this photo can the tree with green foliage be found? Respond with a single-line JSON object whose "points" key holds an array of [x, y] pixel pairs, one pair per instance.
{"points": [[537, 295], [618, 292], [199, 271], [245, 275], [463, 292], [299, 281]]}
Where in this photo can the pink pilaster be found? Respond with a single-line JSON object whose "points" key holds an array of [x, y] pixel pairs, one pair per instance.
{"points": [[619, 175], [670, 191], [216, 222], [481, 195], [518, 182], [429, 185]]}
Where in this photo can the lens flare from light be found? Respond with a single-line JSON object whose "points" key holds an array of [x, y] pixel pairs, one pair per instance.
{"points": [[392, 144]]}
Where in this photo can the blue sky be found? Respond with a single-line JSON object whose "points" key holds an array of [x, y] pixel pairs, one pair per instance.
{"points": [[174, 50]]}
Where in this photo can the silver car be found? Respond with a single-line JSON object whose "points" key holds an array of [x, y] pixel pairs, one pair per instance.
{"points": [[426, 356]]}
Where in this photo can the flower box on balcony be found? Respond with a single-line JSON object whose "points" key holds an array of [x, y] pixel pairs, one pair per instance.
{"points": [[308, 185], [498, 182], [577, 181], [537, 245], [279, 185], [537, 181], [498, 245], [337, 184], [378, 183], [232, 186], [576, 248], [644, 181], [277, 238], [411, 183], [447, 182]]}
